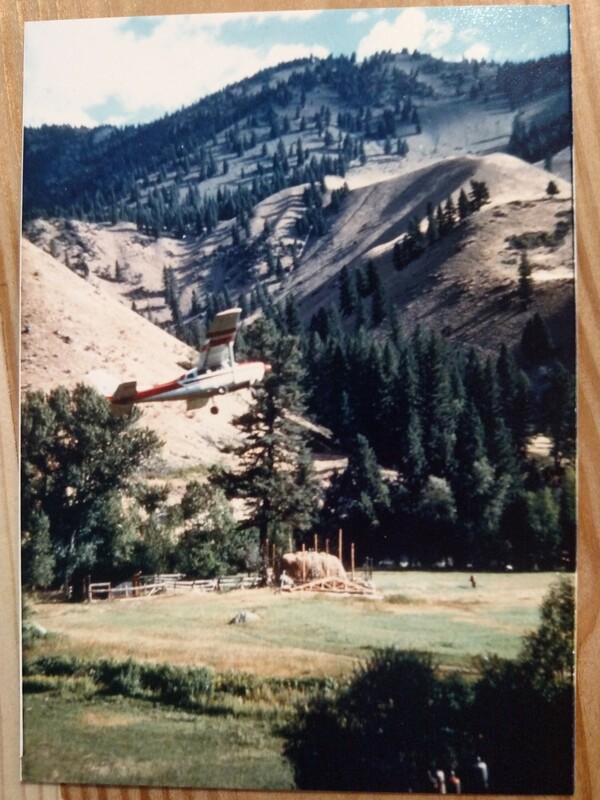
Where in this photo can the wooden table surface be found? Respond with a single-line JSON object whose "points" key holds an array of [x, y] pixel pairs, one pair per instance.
{"points": [[586, 78]]}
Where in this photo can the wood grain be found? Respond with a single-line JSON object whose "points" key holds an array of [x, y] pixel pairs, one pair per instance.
{"points": [[586, 76]]}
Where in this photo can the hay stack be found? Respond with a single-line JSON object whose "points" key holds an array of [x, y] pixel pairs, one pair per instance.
{"points": [[308, 566]]}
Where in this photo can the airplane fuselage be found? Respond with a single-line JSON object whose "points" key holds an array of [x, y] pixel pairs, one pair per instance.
{"points": [[206, 384]]}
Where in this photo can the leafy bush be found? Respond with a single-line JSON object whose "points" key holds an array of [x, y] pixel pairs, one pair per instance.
{"points": [[55, 665], [383, 731], [177, 686], [34, 684], [165, 683], [523, 710], [122, 678], [396, 721]]}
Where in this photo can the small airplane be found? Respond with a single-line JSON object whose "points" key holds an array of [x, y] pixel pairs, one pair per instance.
{"points": [[216, 373]]}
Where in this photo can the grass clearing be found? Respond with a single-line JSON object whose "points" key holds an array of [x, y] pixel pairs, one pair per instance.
{"points": [[123, 741], [75, 733], [302, 634]]}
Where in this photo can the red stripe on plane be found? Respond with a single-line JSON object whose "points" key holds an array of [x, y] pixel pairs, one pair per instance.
{"points": [[157, 390], [213, 342], [224, 332]]}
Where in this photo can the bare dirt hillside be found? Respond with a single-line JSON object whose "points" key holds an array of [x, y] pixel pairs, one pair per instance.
{"points": [[73, 332], [466, 284], [127, 265]]}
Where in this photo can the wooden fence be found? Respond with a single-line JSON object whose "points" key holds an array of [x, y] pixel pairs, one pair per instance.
{"points": [[147, 586]]}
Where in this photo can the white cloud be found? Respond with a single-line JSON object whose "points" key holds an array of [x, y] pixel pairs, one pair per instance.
{"points": [[437, 35], [477, 51], [299, 14], [468, 34], [74, 65], [359, 16], [411, 30]]}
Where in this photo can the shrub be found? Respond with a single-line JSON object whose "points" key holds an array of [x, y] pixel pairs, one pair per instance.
{"points": [[122, 678], [177, 686], [55, 665], [396, 721], [34, 684], [523, 710], [383, 731]]}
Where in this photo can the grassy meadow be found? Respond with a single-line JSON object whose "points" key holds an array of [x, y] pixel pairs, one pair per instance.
{"points": [[75, 732]]}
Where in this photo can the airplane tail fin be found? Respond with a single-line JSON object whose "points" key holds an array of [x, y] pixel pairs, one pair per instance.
{"points": [[122, 400]]}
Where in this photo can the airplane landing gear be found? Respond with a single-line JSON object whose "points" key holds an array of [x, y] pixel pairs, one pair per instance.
{"points": [[214, 410]]}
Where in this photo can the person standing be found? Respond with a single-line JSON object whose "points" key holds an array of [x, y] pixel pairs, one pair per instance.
{"points": [[454, 785], [481, 775]]}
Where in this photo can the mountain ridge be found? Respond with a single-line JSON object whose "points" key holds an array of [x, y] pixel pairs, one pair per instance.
{"points": [[438, 107], [366, 173]]}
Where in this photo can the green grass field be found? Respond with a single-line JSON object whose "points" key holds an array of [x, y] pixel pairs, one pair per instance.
{"points": [[75, 734]]}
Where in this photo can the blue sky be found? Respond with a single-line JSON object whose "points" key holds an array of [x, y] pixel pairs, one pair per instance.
{"points": [[123, 71]]}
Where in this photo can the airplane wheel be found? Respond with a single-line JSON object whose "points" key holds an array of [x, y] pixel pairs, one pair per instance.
{"points": [[214, 410]]}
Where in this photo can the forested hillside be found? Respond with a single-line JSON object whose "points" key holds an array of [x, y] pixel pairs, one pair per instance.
{"points": [[286, 126], [410, 282]]}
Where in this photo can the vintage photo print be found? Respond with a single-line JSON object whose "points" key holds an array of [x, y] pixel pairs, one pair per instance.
{"points": [[298, 401]]}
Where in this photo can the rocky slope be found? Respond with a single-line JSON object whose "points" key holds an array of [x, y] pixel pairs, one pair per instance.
{"points": [[72, 331]]}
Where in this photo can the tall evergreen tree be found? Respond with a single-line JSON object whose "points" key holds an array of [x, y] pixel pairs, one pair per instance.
{"points": [[348, 293], [275, 479], [358, 497], [379, 306], [514, 397], [464, 207], [560, 414], [438, 412], [536, 342], [525, 280]]}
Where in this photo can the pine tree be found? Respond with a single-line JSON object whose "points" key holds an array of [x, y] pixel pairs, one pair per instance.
{"points": [[464, 207], [379, 307], [275, 479], [481, 493], [536, 342], [348, 293], [514, 396], [559, 409], [438, 413], [292, 317], [433, 232], [279, 270], [413, 462], [479, 194], [449, 215], [525, 281], [358, 498]]}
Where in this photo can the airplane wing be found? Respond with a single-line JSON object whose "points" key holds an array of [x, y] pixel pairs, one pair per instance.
{"points": [[217, 350], [196, 402]]}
